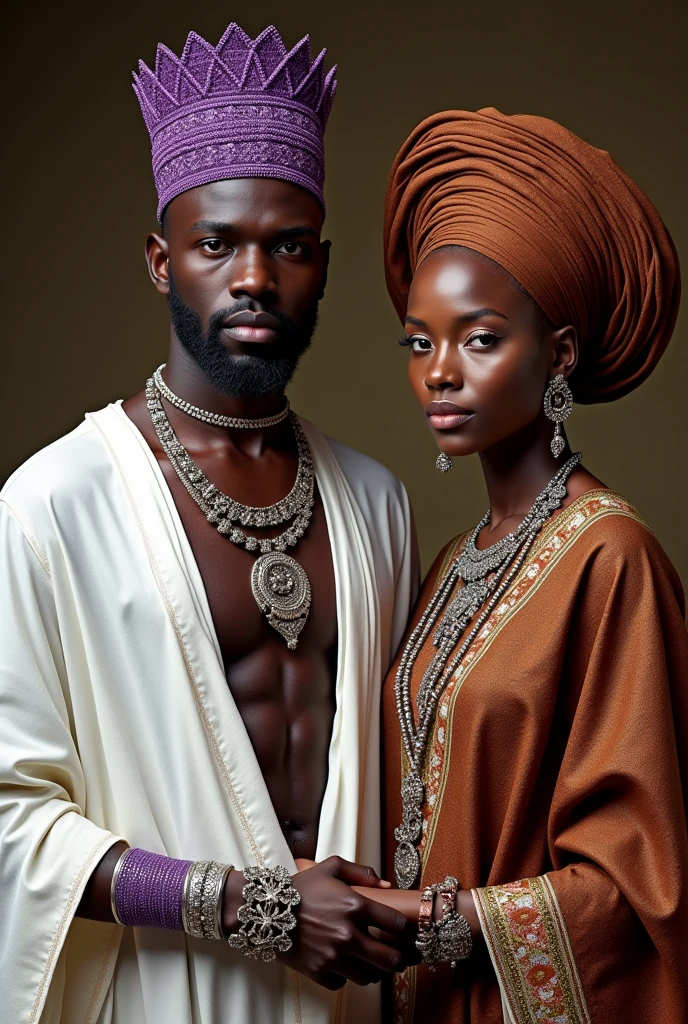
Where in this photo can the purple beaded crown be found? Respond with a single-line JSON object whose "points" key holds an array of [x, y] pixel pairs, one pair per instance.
{"points": [[245, 108]]}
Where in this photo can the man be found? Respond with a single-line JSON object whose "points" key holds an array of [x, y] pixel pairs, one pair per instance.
{"points": [[190, 661]]}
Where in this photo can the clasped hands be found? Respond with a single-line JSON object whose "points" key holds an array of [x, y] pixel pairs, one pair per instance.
{"points": [[342, 934]]}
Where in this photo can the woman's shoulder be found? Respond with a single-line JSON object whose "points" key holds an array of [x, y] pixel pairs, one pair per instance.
{"points": [[600, 533], [604, 538], [607, 520]]}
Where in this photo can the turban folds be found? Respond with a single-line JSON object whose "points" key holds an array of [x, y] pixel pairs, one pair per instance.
{"points": [[559, 215]]}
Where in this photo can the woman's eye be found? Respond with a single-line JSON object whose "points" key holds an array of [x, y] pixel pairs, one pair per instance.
{"points": [[420, 344], [214, 245], [485, 339], [290, 248]]}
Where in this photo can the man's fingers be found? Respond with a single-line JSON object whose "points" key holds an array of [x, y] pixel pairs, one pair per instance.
{"points": [[380, 955], [353, 874], [387, 919]]}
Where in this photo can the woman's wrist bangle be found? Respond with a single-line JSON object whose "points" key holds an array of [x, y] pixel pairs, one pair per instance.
{"points": [[450, 940]]}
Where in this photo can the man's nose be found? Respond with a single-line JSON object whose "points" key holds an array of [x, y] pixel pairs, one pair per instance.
{"points": [[252, 275]]}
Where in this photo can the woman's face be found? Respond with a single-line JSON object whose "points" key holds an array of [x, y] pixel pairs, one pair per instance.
{"points": [[479, 364]]}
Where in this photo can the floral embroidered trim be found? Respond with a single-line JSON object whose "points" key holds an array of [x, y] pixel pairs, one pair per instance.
{"points": [[547, 551], [530, 949]]}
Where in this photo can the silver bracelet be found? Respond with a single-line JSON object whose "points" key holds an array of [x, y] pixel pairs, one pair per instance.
{"points": [[450, 939], [202, 899], [266, 917], [113, 883]]}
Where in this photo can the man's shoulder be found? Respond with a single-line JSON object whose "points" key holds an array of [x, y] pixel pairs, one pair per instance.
{"points": [[69, 469]]}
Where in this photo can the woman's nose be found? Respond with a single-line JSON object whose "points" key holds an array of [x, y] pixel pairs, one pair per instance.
{"points": [[444, 371]]}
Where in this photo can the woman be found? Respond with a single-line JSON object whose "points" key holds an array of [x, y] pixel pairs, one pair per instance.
{"points": [[535, 721]]}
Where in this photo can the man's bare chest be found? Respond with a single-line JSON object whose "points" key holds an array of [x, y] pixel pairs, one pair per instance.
{"points": [[226, 568]]}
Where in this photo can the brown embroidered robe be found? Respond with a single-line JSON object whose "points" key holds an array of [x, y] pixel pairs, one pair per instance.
{"points": [[555, 784]]}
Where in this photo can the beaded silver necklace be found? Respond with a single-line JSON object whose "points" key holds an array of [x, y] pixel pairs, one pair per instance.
{"points": [[280, 585], [486, 575], [216, 418]]}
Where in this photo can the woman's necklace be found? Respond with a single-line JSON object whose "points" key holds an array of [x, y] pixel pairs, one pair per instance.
{"points": [[280, 585], [486, 576]]}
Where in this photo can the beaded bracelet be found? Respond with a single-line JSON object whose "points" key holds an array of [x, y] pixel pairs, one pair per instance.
{"points": [[152, 891]]}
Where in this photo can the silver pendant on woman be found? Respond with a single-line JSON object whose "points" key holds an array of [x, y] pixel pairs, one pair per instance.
{"points": [[483, 576]]}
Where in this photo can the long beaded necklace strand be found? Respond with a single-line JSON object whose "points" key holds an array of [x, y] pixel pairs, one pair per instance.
{"points": [[280, 585], [486, 575]]}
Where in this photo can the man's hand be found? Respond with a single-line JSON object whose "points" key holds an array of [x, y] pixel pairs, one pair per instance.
{"points": [[331, 941]]}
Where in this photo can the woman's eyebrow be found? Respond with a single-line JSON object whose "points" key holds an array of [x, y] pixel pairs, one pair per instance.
{"points": [[476, 314], [465, 318]]}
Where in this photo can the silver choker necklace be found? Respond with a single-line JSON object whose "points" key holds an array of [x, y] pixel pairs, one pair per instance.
{"points": [[216, 418], [486, 575], [280, 585]]}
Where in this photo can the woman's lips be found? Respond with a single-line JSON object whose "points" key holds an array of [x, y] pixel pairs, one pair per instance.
{"points": [[446, 415], [440, 422]]}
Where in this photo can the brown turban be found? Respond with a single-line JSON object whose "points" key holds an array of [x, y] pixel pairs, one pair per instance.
{"points": [[555, 212]]}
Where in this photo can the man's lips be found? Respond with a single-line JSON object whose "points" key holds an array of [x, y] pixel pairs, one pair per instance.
{"points": [[253, 327], [446, 415]]}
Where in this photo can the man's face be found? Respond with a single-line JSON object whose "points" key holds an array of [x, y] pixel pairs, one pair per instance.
{"points": [[244, 268]]}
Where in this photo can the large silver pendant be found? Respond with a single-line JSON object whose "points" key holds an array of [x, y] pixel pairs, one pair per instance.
{"points": [[408, 834], [283, 593]]}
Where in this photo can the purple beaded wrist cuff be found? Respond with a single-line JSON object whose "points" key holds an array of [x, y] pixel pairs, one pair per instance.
{"points": [[149, 890]]}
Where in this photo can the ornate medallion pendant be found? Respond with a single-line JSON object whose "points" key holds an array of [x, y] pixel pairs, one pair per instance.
{"points": [[407, 858], [283, 593]]}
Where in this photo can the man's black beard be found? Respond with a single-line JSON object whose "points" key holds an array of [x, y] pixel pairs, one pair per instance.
{"points": [[242, 376]]}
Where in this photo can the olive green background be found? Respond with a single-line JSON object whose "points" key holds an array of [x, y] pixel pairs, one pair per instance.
{"points": [[83, 325]]}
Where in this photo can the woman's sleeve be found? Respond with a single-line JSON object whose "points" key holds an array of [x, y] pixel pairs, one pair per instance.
{"points": [[603, 936], [48, 847]]}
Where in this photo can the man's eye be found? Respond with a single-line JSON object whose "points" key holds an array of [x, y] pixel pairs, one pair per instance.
{"points": [[482, 339], [290, 248], [214, 245]]}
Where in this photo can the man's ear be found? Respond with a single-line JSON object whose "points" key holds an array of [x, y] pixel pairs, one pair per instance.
{"points": [[325, 248], [157, 259]]}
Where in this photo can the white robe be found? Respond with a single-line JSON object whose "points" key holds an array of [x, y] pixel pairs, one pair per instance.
{"points": [[116, 721]]}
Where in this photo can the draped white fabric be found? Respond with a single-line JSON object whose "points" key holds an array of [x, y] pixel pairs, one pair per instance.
{"points": [[116, 721]]}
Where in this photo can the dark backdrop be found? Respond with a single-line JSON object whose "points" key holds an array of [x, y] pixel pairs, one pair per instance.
{"points": [[83, 326]]}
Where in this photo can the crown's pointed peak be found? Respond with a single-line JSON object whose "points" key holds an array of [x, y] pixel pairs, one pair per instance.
{"points": [[198, 57], [164, 57], [234, 38], [194, 43], [270, 33], [298, 60], [168, 69], [271, 50]]}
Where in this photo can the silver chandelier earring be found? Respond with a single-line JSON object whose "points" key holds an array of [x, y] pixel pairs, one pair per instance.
{"points": [[443, 463], [558, 405]]}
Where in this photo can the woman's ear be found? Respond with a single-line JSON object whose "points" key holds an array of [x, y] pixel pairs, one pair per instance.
{"points": [[564, 345]]}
